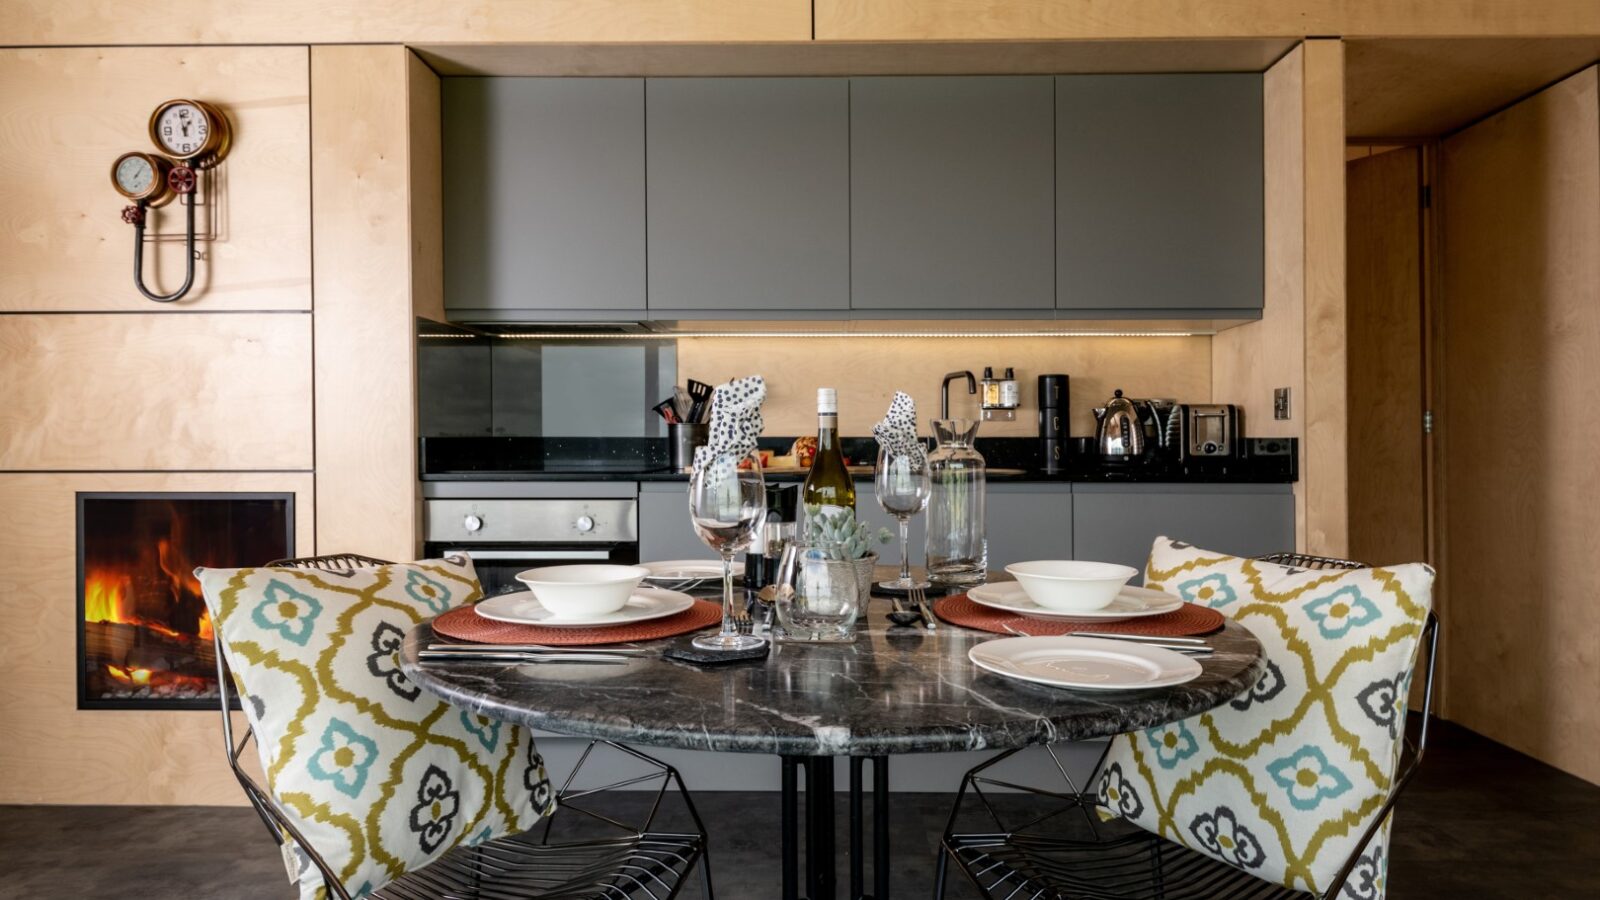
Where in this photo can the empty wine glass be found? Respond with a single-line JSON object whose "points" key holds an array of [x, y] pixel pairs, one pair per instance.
{"points": [[901, 483], [727, 504]]}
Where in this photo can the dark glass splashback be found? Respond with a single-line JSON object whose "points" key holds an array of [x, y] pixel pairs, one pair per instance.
{"points": [[145, 637]]}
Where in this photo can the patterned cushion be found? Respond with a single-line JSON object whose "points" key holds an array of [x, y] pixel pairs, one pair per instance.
{"points": [[380, 777], [1283, 780]]}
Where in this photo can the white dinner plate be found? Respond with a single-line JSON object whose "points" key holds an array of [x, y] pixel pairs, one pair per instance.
{"points": [[683, 572], [522, 608], [1086, 663], [1131, 603]]}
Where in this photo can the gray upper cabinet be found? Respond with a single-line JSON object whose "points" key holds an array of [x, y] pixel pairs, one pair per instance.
{"points": [[1159, 193], [544, 194], [950, 193], [1118, 523], [749, 193]]}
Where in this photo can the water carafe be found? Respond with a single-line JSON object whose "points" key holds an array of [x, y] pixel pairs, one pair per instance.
{"points": [[958, 551]]}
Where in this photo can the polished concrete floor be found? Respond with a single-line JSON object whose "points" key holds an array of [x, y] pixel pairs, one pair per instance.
{"points": [[1480, 821]]}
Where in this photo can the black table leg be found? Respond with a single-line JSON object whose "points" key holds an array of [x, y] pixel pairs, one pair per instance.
{"points": [[821, 849]]}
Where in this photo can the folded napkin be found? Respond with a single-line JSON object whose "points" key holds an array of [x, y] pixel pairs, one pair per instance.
{"points": [[735, 419], [897, 432]]}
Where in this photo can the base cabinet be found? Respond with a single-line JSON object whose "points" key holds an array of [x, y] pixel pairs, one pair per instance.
{"points": [[1028, 521], [664, 528], [1118, 523]]}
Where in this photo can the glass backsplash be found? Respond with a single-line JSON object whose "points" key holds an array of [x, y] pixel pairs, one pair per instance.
{"points": [[474, 385]]}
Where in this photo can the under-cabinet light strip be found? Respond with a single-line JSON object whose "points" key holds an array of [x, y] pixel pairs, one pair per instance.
{"points": [[668, 336]]}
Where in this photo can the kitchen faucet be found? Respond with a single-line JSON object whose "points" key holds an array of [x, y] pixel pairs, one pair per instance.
{"points": [[944, 390]]}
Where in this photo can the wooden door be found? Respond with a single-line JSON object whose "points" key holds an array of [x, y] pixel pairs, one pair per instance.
{"points": [[1388, 521]]}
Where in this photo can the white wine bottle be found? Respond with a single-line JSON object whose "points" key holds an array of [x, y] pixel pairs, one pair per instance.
{"points": [[828, 485]]}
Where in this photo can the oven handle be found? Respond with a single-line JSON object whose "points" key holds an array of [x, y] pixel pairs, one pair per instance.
{"points": [[529, 554]]}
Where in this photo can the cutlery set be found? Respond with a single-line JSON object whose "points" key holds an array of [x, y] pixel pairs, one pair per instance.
{"points": [[530, 653], [1187, 645]]}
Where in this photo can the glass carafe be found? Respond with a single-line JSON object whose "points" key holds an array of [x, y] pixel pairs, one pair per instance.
{"points": [[958, 551]]}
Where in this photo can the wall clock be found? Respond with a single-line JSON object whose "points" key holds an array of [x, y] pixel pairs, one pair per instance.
{"points": [[191, 130]]}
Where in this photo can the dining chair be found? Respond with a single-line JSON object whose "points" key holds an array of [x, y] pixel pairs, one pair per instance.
{"points": [[1057, 841], [588, 854]]}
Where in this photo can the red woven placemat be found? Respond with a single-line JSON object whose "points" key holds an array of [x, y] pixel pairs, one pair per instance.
{"points": [[1191, 618], [466, 625]]}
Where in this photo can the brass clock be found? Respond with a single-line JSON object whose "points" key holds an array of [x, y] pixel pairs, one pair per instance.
{"points": [[192, 131], [142, 176]]}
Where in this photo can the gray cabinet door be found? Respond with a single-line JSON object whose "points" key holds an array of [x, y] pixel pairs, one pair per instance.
{"points": [[749, 193], [950, 199], [1159, 192], [1119, 523], [1028, 521], [544, 193], [664, 528]]}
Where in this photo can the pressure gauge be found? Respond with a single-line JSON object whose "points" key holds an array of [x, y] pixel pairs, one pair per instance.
{"points": [[191, 130], [142, 176]]}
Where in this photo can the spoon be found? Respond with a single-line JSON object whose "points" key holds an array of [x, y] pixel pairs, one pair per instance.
{"points": [[899, 615]]}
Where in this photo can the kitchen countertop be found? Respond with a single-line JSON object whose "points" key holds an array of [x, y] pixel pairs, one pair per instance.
{"points": [[1014, 460]]}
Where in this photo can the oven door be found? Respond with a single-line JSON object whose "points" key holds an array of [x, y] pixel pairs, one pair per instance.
{"points": [[497, 564]]}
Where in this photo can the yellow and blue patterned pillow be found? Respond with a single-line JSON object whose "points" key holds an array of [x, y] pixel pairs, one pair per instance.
{"points": [[1283, 780], [379, 776]]}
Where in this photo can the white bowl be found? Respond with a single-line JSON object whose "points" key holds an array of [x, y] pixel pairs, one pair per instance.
{"points": [[1067, 584], [573, 591]]}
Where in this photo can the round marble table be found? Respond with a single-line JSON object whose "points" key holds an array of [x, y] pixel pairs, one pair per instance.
{"points": [[894, 690]]}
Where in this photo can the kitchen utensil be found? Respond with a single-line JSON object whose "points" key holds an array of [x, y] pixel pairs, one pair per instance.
{"points": [[584, 591], [524, 608], [899, 615], [519, 658], [1196, 642], [700, 393], [535, 648], [957, 550], [1084, 663], [1069, 585], [1130, 603], [919, 599], [1195, 649], [681, 574], [683, 403], [666, 410], [1119, 432]]}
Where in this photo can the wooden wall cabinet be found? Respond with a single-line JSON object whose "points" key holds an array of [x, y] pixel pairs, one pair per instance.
{"points": [[544, 195], [1159, 193], [950, 201], [749, 193]]}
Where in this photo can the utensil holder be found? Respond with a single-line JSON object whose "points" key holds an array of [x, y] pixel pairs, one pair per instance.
{"points": [[683, 437]]}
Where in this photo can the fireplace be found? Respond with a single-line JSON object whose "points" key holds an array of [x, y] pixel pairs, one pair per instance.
{"points": [[144, 635]]}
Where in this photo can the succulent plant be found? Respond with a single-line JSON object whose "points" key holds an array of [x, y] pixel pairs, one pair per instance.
{"points": [[846, 538]]}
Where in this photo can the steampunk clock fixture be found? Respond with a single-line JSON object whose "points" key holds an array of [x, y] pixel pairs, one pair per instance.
{"points": [[193, 136]]}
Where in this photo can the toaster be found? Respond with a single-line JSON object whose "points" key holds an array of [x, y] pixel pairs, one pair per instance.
{"points": [[1209, 431]]}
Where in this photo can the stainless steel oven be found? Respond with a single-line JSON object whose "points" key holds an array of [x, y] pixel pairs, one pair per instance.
{"points": [[506, 536]]}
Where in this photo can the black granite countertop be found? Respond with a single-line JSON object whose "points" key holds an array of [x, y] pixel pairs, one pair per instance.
{"points": [[894, 690], [1265, 461]]}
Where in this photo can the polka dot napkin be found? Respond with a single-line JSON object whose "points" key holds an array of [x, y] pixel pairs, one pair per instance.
{"points": [[897, 432], [735, 419]]}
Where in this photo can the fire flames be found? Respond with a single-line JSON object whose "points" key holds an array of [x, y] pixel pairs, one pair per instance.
{"points": [[107, 597]]}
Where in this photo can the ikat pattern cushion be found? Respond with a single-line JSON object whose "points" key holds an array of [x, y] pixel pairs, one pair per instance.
{"points": [[1283, 780], [379, 776]]}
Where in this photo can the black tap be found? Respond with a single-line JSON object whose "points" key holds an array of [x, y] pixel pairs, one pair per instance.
{"points": [[944, 390]]}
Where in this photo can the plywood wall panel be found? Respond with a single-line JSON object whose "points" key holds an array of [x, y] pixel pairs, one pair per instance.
{"points": [[401, 21], [1519, 219], [53, 752], [365, 355], [155, 391], [65, 116], [1068, 19], [867, 372]]}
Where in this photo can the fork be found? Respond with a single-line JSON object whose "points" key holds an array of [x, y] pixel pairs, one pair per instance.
{"points": [[741, 619]]}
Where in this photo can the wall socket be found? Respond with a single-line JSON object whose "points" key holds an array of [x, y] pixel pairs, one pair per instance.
{"points": [[1280, 403]]}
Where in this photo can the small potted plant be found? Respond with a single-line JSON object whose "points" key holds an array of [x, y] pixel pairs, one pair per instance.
{"points": [[847, 540]]}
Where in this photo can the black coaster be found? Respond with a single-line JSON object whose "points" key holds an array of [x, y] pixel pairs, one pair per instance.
{"points": [[685, 651]]}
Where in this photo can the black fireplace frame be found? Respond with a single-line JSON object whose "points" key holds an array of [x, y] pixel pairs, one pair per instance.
{"points": [[85, 702]]}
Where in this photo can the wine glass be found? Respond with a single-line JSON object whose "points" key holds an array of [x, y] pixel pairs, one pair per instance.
{"points": [[902, 486], [727, 504]]}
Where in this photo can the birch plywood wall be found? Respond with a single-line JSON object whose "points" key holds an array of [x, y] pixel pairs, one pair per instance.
{"points": [[1519, 219], [107, 391]]}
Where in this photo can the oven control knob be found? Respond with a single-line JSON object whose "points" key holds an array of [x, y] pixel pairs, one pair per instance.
{"points": [[472, 523], [584, 524]]}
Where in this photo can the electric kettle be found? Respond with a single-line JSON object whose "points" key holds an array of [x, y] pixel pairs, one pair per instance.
{"points": [[1119, 434]]}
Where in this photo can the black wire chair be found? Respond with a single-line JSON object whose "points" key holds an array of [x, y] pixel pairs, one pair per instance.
{"points": [[599, 856], [1037, 850]]}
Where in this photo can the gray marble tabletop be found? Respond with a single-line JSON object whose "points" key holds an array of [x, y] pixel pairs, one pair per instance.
{"points": [[894, 690]]}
